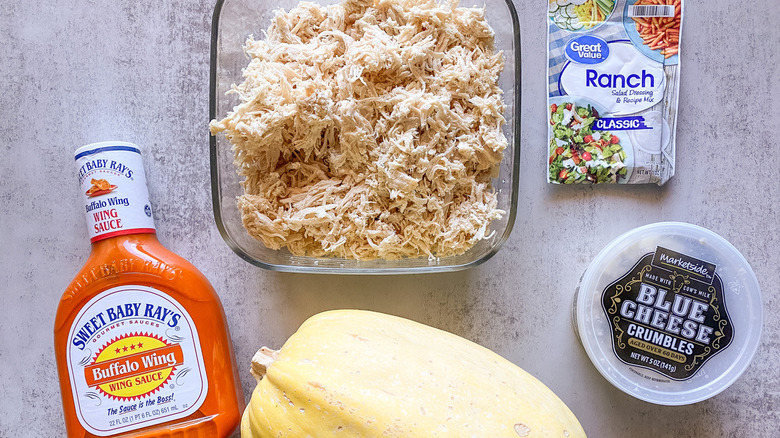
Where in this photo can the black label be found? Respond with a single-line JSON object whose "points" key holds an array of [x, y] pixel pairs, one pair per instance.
{"points": [[668, 314], [676, 262]]}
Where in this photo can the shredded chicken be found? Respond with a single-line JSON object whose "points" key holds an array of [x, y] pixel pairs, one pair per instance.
{"points": [[370, 129]]}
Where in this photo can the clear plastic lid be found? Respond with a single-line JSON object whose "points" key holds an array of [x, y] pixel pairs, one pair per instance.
{"points": [[669, 313]]}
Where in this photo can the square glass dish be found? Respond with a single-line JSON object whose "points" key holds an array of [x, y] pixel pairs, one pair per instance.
{"points": [[232, 23]]}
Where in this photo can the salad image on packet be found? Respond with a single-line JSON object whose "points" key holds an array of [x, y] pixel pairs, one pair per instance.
{"points": [[613, 79]]}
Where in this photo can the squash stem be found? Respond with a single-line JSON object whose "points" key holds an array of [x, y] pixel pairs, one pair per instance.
{"points": [[261, 361]]}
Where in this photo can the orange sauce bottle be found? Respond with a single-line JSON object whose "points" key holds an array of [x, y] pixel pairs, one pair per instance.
{"points": [[140, 337]]}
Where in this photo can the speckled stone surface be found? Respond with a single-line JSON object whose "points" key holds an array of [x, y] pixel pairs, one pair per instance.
{"points": [[74, 72]]}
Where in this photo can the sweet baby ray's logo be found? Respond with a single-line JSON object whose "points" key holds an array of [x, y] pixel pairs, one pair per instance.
{"points": [[103, 166], [133, 366]]}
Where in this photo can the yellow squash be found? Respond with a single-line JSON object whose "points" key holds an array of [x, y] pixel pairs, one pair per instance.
{"points": [[351, 373]]}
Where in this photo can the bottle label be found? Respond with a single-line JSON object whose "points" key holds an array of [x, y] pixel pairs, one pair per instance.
{"points": [[134, 360], [116, 200], [668, 314]]}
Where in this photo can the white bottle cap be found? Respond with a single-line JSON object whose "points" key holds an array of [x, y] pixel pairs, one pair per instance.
{"points": [[113, 186]]}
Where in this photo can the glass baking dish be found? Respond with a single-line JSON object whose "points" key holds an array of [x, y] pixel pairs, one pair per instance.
{"points": [[232, 23]]}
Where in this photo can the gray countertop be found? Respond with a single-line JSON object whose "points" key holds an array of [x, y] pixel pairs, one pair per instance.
{"points": [[75, 72]]}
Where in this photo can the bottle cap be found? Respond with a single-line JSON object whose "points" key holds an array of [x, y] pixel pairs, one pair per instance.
{"points": [[112, 180]]}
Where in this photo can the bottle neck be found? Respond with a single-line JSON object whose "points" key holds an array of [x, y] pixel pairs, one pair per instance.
{"points": [[140, 252], [125, 241]]}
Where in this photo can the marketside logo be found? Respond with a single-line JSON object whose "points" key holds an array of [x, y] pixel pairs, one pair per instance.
{"points": [[674, 261]]}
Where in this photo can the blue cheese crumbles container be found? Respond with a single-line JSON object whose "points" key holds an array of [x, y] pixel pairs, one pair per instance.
{"points": [[613, 87], [669, 313]]}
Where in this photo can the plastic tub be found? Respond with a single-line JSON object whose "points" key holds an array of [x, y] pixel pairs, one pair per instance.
{"points": [[669, 313]]}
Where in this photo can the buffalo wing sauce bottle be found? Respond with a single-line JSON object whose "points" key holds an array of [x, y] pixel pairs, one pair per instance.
{"points": [[140, 336]]}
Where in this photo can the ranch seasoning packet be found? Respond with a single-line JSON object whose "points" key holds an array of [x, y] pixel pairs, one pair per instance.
{"points": [[613, 70]]}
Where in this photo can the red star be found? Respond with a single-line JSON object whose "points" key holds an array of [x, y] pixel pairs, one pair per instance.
{"points": [[117, 351], [124, 348], [140, 345], [132, 346]]}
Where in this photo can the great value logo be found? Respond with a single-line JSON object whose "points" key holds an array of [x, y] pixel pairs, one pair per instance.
{"points": [[587, 49]]}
